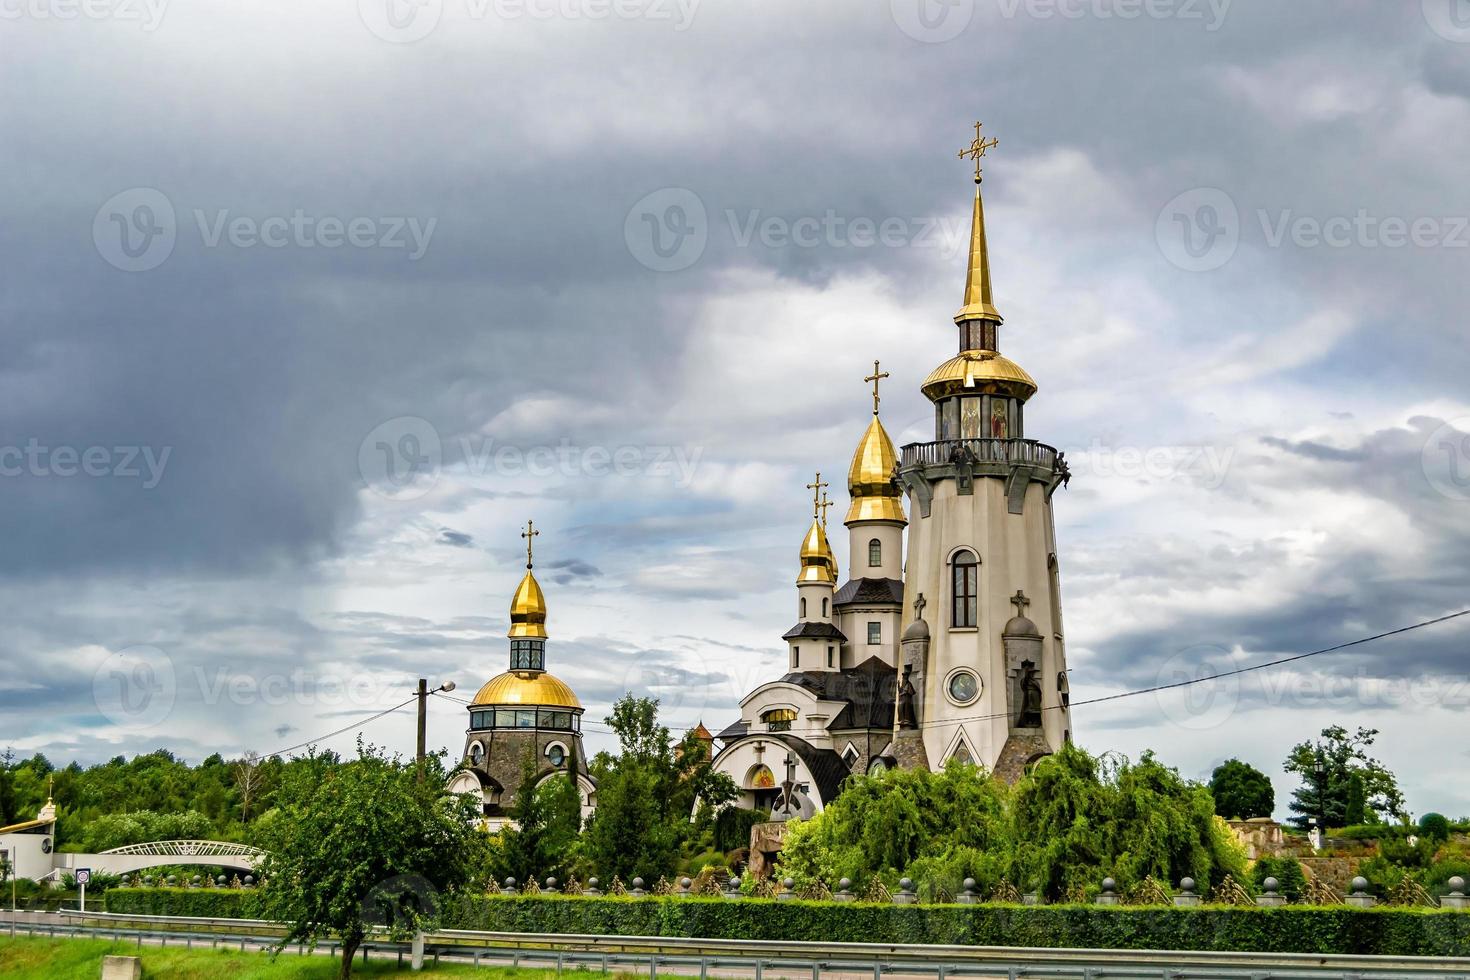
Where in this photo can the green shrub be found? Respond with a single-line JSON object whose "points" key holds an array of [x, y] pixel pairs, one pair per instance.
{"points": [[1379, 931], [732, 827], [1434, 826]]}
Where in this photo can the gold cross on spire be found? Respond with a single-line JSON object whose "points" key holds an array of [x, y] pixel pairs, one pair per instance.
{"points": [[50, 786], [875, 377], [977, 149], [529, 533], [816, 487], [823, 507]]}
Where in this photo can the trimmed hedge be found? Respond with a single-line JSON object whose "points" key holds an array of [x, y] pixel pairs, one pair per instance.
{"points": [[1380, 931], [1290, 929], [204, 903]]}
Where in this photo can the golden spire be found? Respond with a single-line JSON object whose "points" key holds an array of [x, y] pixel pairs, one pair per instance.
{"points": [[978, 302], [528, 606]]}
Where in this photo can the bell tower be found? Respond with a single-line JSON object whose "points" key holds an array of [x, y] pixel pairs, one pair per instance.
{"points": [[989, 683]]}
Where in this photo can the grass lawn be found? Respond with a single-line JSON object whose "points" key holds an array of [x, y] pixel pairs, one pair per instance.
{"points": [[25, 958]]}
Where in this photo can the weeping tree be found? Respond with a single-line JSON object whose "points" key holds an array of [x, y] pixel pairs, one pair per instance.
{"points": [[1077, 818], [935, 827]]}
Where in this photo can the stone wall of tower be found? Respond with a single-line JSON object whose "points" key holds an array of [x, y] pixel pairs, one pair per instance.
{"points": [[1016, 551]]}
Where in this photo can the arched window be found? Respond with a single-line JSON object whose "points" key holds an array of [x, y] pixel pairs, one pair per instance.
{"points": [[803, 607], [875, 553], [779, 719], [964, 589], [824, 608]]}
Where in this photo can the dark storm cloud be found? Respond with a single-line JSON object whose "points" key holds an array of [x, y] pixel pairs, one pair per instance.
{"points": [[268, 374], [455, 539]]}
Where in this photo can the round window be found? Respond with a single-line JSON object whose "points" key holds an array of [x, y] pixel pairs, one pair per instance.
{"points": [[556, 754], [477, 753], [964, 687]]}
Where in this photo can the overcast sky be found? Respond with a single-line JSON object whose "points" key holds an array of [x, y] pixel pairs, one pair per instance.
{"points": [[308, 307]]}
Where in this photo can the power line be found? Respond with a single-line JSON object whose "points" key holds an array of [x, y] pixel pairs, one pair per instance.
{"points": [[355, 724], [1147, 690], [1229, 673]]}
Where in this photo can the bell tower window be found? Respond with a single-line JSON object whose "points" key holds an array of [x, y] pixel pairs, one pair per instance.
{"points": [[527, 654], [965, 590], [875, 553]]}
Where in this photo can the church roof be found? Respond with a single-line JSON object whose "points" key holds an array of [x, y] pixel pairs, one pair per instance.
{"points": [[529, 688], [869, 590], [826, 766], [733, 731], [866, 689], [818, 630]]}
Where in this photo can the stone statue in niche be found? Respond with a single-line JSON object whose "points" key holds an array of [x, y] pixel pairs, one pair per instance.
{"points": [[908, 716], [1030, 714]]}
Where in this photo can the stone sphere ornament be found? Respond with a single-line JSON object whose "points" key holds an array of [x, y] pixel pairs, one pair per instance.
{"points": [[1360, 885], [1186, 884], [1457, 884], [1109, 884], [1271, 885]]}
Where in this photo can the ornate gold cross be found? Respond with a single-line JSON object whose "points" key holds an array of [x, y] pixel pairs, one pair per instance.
{"points": [[823, 507], [977, 149], [875, 377], [816, 488], [529, 533]]}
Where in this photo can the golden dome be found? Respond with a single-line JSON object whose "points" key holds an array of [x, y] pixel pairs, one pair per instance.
{"points": [[528, 609], [978, 372], [818, 564], [527, 688], [871, 480]]}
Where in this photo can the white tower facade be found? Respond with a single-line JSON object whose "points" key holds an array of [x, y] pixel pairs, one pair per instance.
{"points": [[984, 649]]}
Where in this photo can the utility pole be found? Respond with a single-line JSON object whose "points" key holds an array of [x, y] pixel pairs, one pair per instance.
{"points": [[422, 693]]}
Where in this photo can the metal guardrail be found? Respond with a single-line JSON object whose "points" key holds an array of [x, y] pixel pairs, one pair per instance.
{"points": [[701, 956]]}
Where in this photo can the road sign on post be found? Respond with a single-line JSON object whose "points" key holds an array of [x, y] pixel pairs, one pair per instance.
{"points": [[84, 875]]}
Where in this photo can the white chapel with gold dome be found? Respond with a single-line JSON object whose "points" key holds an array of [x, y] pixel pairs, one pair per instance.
{"points": [[945, 641]]}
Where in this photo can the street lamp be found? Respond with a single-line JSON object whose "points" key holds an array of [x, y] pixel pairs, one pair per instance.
{"points": [[1321, 771], [422, 694]]}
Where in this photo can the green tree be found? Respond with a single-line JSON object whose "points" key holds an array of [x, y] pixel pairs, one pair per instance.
{"points": [[362, 844], [939, 828], [1241, 791], [1435, 827], [548, 816], [647, 795], [1355, 811], [1327, 766]]}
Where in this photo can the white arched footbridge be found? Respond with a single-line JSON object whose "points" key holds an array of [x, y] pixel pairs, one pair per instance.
{"points": [[136, 857]]}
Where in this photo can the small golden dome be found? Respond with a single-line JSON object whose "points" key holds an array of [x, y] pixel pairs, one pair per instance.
{"points": [[528, 609], [526, 688], [978, 372], [818, 564], [871, 480]]}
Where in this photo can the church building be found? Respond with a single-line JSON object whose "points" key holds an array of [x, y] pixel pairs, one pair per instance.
{"points": [[952, 648], [523, 714]]}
